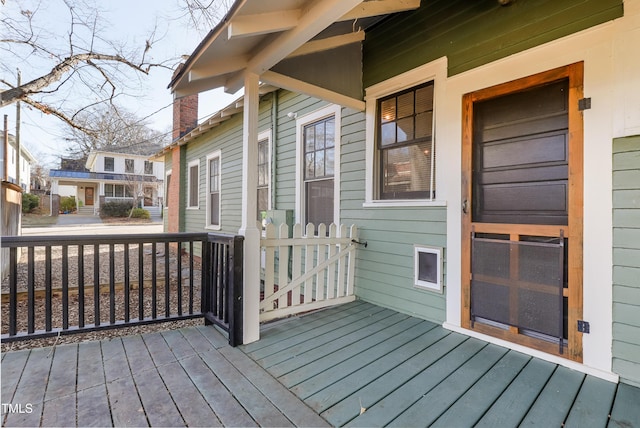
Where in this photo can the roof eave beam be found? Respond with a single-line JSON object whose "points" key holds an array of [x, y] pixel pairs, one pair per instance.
{"points": [[328, 43], [263, 23], [379, 7], [295, 85], [312, 21]]}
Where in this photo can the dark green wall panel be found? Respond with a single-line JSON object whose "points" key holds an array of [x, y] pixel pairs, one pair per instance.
{"points": [[473, 33]]}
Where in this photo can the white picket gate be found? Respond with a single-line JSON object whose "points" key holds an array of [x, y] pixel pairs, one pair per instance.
{"points": [[306, 272]]}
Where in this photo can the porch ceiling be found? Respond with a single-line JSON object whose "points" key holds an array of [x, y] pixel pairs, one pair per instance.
{"points": [[284, 38]]}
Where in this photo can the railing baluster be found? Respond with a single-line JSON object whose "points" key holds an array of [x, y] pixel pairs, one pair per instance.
{"points": [[127, 283], [65, 287], [81, 286], [96, 284], [47, 284], [154, 284], [13, 291], [179, 284], [191, 277], [167, 281], [112, 284], [31, 301], [224, 277], [140, 281]]}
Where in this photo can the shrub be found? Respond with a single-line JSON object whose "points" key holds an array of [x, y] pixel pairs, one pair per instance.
{"points": [[68, 204], [116, 209], [140, 213], [29, 202]]}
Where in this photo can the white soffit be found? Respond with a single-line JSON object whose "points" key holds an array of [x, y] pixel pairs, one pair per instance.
{"points": [[257, 34]]}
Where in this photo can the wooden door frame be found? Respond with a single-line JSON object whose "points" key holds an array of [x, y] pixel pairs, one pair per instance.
{"points": [[574, 230]]}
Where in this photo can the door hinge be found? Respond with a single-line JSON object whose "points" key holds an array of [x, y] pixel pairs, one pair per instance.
{"points": [[584, 104], [583, 326]]}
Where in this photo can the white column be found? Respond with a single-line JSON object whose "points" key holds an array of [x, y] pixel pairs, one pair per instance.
{"points": [[249, 228]]}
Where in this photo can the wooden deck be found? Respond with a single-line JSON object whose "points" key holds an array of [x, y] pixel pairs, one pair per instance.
{"points": [[188, 377], [363, 365], [356, 365]]}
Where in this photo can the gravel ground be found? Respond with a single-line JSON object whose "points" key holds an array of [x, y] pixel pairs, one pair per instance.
{"points": [[40, 274]]}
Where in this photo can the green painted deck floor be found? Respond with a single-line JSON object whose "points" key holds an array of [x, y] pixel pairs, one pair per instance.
{"points": [[362, 365], [401, 371]]}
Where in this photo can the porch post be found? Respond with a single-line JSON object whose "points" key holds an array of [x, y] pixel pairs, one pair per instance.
{"points": [[249, 228]]}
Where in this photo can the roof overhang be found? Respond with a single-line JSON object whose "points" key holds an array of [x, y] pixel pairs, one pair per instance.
{"points": [[283, 42]]}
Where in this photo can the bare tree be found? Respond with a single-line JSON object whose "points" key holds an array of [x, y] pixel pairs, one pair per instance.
{"points": [[87, 66], [205, 14], [116, 130]]}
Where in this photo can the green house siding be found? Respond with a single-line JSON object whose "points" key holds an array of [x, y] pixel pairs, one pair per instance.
{"points": [[626, 259], [473, 33]]}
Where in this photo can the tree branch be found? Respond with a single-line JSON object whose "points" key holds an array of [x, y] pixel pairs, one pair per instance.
{"points": [[48, 110]]}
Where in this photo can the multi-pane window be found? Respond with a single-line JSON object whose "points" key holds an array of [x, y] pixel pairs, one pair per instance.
{"points": [[117, 191], [405, 144], [213, 172], [129, 166], [109, 164], [263, 178], [148, 167], [319, 165], [193, 181]]}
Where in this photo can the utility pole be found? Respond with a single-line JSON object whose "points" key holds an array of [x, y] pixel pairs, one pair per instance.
{"points": [[18, 133]]}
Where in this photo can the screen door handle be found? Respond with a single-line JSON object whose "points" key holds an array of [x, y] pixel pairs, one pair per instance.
{"points": [[464, 206]]}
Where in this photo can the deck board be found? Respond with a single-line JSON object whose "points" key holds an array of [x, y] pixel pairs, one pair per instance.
{"points": [[307, 366], [11, 368], [90, 371], [93, 407], [126, 407], [625, 412], [514, 403], [593, 404], [470, 407], [556, 398]]}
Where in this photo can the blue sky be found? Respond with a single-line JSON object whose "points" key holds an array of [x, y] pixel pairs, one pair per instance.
{"points": [[128, 22]]}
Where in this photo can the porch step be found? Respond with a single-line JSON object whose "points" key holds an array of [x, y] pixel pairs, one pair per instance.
{"points": [[85, 210], [155, 212]]}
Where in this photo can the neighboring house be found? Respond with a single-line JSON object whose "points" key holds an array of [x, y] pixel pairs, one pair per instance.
{"points": [[25, 160], [488, 154], [109, 176]]}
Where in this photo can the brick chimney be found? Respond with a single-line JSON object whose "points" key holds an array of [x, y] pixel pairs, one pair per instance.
{"points": [[185, 111], [185, 115]]}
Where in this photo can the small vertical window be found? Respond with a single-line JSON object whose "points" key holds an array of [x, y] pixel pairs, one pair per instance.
{"points": [[263, 178], [109, 164], [148, 167], [319, 164], [213, 196], [108, 190], [167, 189], [129, 166], [405, 144], [193, 182]]}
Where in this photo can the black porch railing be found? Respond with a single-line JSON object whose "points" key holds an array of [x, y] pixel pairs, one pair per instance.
{"points": [[73, 284]]}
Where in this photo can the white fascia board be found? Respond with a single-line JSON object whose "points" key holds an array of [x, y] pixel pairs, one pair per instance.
{"points": [[263, 23], [299, 86]]}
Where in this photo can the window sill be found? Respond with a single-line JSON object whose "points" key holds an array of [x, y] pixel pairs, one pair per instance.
{"points": [[193, 208], [404, 203], [213, 227]]}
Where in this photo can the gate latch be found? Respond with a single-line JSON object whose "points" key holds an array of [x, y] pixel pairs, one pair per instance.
{"points": [[583, 326]]}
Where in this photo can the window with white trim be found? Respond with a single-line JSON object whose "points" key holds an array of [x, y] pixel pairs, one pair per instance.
{"points": [[264, 174], [167, 188], [214, 200], [319, 153], [193, 184], [109, 164], [129, 166], [148, 167], [405, 144], [401, 134]]}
